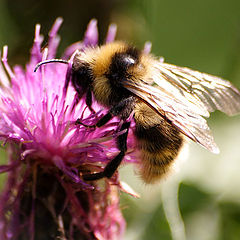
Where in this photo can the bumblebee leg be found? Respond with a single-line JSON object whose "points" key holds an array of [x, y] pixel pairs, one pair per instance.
{"points": [[112, 166], [89, 101], [102, 121], [77, 98], [117, 110], [79, 95]]}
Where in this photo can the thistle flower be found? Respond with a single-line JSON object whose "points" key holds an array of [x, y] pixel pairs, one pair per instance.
{"points": [[44, 195]]}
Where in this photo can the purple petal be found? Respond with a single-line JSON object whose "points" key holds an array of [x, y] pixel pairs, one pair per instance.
{"points": [[111, 34], [147, 47], [54, 40], [71, 49], [36, 49], [91, 34], [5, 62]]}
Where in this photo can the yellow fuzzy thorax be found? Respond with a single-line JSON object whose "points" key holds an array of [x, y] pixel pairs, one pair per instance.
{"points": [[103, 57]]}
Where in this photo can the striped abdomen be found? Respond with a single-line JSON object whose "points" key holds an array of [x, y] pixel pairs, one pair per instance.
{"points": [[159, 143]]}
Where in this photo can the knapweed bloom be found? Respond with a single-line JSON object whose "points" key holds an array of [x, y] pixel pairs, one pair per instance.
{"points": [[44, 196]]}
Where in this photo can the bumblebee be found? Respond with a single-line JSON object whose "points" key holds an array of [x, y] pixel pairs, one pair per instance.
{"points": [[167, 103]]}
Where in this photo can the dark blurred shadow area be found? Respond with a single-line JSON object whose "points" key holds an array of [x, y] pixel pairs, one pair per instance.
{"points": [[22, 16]]}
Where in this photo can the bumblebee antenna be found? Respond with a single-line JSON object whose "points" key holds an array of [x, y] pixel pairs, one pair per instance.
{"points": [[50, 61]]}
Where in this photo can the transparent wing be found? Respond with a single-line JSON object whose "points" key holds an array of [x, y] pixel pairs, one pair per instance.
{"points": [[182, 96], [207, 92]]}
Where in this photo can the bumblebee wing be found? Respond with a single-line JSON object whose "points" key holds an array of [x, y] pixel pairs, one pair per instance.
{"points": [[208, 93], [182, 114]]}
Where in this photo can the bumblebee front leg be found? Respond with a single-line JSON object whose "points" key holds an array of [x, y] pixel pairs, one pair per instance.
{"points": [[123, 109], [112, 166], [102, 121]]}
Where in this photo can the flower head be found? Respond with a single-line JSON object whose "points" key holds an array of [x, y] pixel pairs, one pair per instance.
{"points": [[48, 152]]}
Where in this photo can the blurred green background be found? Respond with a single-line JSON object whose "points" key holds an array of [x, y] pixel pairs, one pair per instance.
{"points": [[201, 200]]}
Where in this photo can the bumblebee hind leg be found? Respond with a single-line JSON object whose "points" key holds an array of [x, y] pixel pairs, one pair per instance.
{"points": [[123, 110]]}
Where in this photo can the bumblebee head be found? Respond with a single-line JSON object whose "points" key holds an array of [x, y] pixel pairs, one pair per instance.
{"points": [[82, 76], [103, 67], [102, 70]]}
